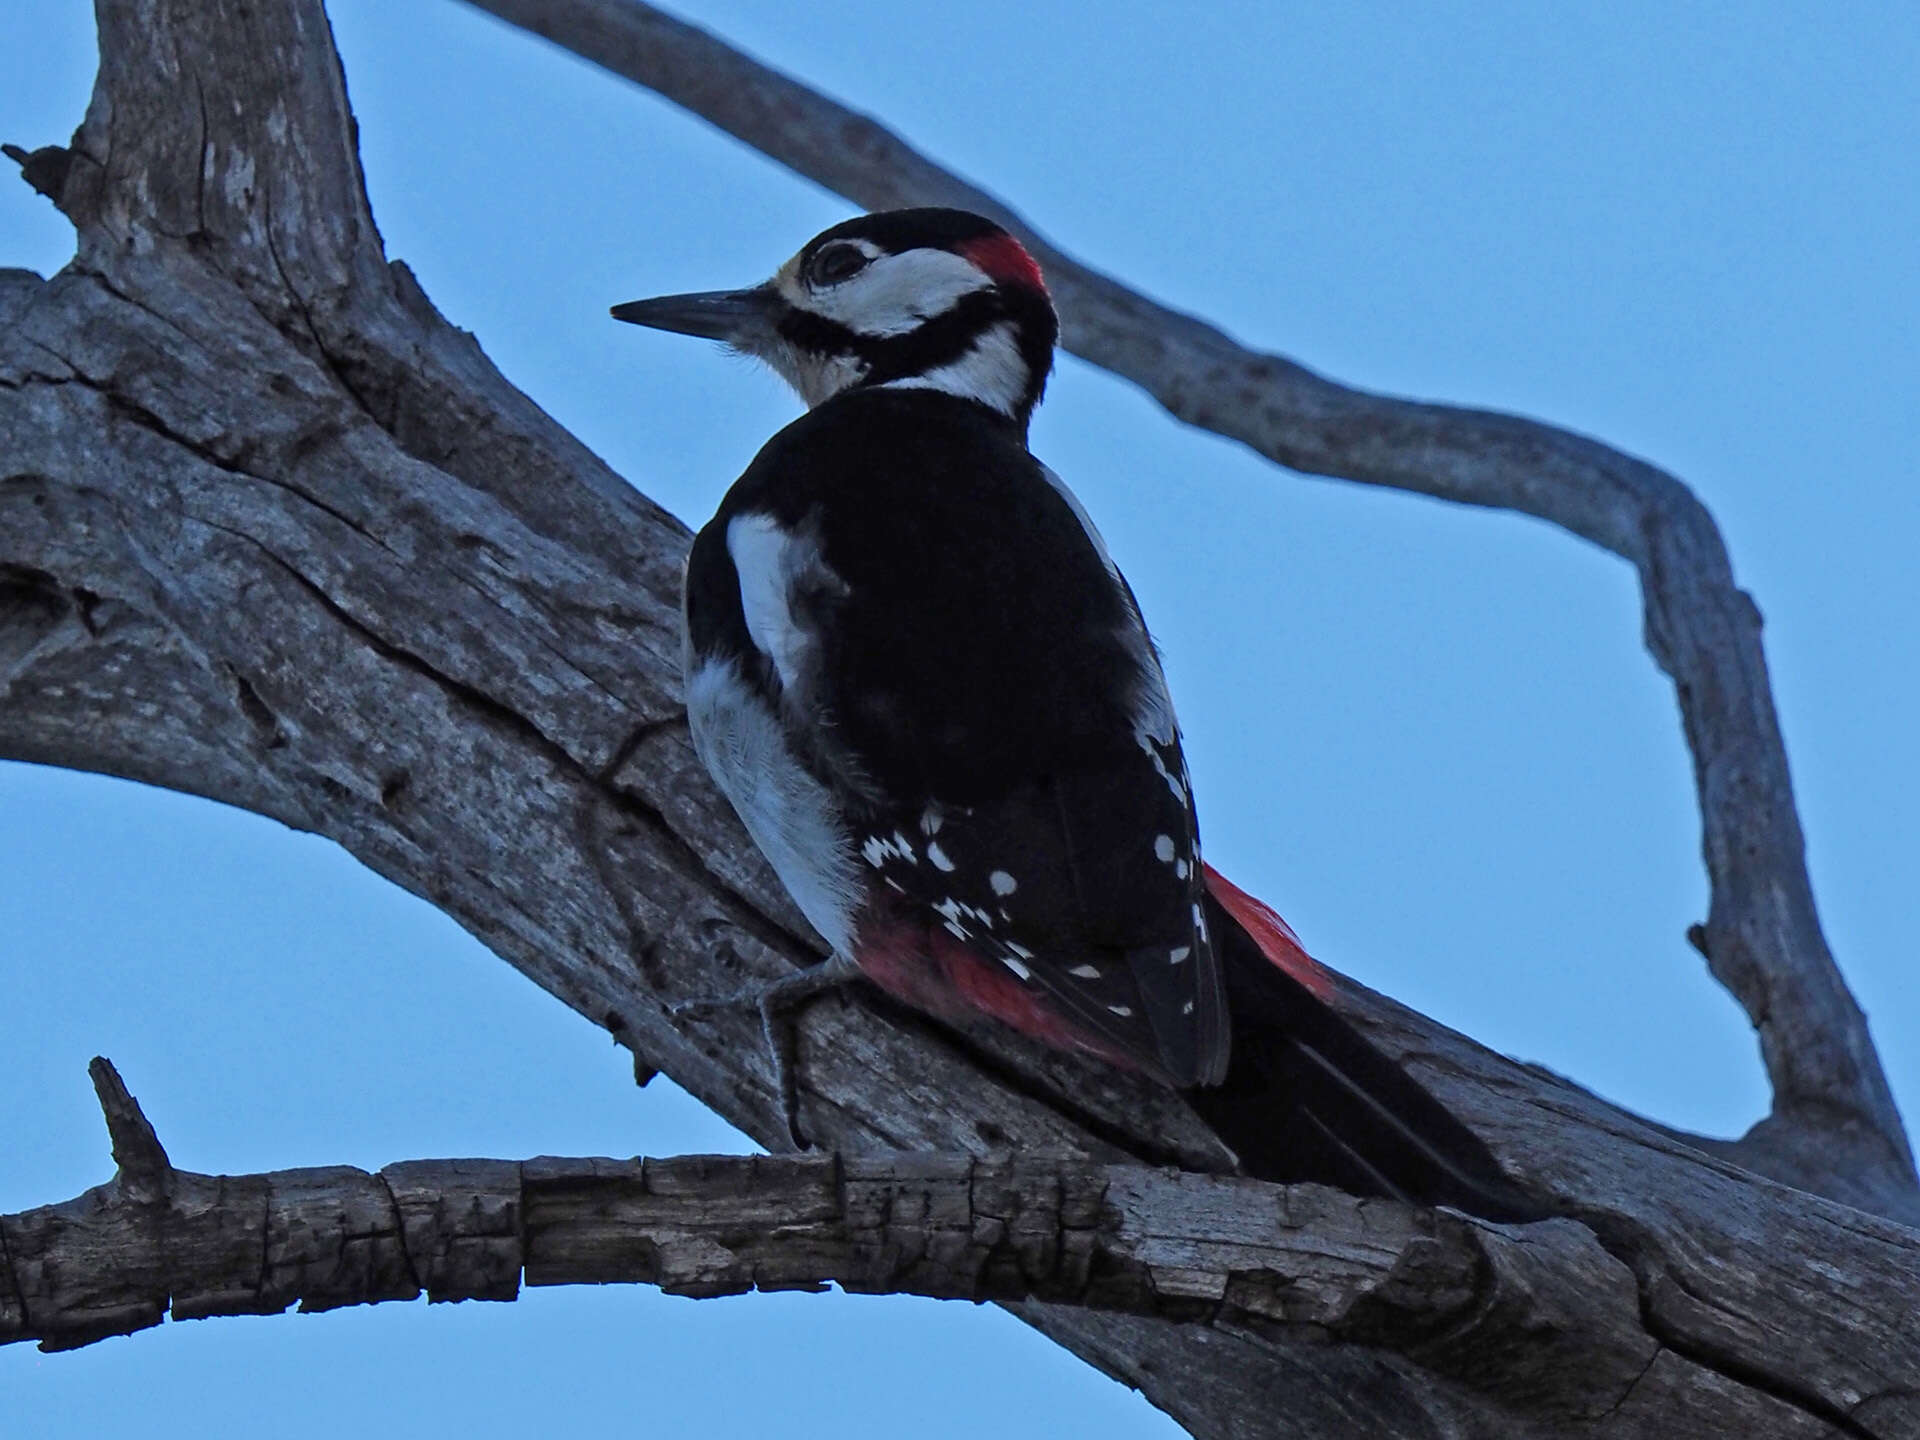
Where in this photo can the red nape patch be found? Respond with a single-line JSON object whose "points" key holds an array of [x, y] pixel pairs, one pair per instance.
{"points": [[1006, 260], [1272, 934]]}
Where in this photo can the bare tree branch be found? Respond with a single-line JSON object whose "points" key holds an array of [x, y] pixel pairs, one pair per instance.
{"points": [[948, 1226], [273, 532], [1762, 938], [1540, 1319]]}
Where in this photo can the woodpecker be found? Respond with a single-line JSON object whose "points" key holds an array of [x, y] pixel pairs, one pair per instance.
{"points": [[914, 669]]}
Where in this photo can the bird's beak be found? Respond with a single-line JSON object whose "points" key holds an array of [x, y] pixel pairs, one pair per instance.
{"points": [[742, 318]]}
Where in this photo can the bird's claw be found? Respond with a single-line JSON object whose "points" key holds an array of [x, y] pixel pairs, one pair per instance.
{"points": [[774, 1001]]}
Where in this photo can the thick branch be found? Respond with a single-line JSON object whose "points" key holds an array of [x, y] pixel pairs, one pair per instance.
{"points": [[1834, 1114], [273, 532]]}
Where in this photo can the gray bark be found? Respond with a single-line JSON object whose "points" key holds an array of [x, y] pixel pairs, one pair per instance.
{"points": [[1541, 1321], [273, 532]]}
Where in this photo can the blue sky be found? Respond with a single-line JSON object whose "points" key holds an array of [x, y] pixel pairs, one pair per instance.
{"points": [[1428, 735]]}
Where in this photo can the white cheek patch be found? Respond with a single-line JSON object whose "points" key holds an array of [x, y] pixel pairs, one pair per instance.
{"points": [[898, 293], [993, 372]]}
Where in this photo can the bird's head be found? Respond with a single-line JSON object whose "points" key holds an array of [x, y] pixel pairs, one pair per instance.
{"points": [[925, 299]]}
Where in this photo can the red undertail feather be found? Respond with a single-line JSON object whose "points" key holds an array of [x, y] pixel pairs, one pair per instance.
{"points": [[1272, 934], [1310, 1098]]}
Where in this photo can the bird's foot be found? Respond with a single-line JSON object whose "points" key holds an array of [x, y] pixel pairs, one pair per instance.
{"points": [[775, 1001]]}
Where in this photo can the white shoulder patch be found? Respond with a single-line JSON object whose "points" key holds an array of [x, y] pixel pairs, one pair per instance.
{"points": [[771, 563]]}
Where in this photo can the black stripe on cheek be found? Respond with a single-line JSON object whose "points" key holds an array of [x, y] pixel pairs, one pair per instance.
{"points": [[940, 341], [816, 334]]}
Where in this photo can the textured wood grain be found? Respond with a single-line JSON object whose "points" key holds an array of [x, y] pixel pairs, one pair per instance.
{"points": [[1539, 1322], [274, 532]]}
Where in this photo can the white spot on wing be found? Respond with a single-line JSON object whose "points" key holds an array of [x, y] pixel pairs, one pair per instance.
{"points": [[1178, 954], [1085, 972], [879, 849], [1151, 742], [958, 910], [1014, 965], [1123, 1011], [1163, 848], [1002, 882], [938, 856]]}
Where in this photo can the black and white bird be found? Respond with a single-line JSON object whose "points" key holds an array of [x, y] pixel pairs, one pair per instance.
{"points": [[916, 672]]}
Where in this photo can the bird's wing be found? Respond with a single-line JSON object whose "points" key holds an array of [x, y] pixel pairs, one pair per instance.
{"points": [[1084, 887], [950, 650]]}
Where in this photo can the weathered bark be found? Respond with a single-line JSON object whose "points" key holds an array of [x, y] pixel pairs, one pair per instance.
{"points": [[1541, 1320], [1177, 1245], [273, 532]]}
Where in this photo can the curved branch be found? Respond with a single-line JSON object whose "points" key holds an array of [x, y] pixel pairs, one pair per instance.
{"points": [[1762, 938]]}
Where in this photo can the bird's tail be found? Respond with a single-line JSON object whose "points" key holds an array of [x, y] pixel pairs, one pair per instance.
{"points": [[1308, 1098]]}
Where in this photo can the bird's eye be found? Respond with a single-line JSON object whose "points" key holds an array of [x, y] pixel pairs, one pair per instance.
{"points": [[836, 263]]}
